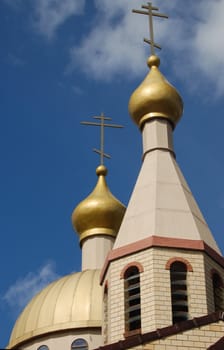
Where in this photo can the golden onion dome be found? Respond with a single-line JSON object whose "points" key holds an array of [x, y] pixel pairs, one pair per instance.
{"points": [[100, 213], [155, 98], [73, 301]]}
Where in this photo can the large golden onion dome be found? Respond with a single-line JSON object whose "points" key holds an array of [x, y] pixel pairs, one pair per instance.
{"points": [[155, 98], [71, 302], [100, 213]]}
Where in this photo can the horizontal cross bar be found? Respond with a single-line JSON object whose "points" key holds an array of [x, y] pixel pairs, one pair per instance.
{"points": [[140, 12], [99, 124], [150, 7], [153, 14], [102, 117]]}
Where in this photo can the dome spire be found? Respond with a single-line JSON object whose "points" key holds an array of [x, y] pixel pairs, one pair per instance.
{"points": [[98, 217], [155, 97]]}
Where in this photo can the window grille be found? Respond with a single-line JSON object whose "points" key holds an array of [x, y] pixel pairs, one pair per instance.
{"points": [[179, 296], [132, 299]]}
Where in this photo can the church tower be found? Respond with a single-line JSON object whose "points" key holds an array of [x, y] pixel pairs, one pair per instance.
{"points": [[152, 275], [165, 267], [97, 218]]}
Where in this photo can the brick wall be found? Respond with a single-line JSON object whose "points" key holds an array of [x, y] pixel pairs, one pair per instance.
{"points": [[156, 311]]}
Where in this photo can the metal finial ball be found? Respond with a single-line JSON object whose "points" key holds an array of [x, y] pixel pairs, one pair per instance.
{"points": [[153, 61], [101, 170]]}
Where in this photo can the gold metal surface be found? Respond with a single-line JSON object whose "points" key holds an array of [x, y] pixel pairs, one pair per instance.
{"points": [[100, 213], [155, 98], [65, 304], [150, 13], [102, 125]]}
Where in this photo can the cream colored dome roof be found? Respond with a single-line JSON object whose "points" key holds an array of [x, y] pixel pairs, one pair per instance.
{"points": [[74, 301]]}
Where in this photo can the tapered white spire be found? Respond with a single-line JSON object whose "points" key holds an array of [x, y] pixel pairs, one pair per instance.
{"points": [[161, 204]]}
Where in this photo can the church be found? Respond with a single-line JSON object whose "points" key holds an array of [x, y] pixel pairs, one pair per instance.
{"points": [[152, 274]]}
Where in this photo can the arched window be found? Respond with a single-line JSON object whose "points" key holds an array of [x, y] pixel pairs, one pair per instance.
{"points": [[217, 291], [132, 299], [79, 344], [178, 279], [43, 347]]}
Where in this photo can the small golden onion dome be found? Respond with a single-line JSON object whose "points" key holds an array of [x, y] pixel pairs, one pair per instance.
{"points": [[155, 98], [100, 213], [71, 302]]}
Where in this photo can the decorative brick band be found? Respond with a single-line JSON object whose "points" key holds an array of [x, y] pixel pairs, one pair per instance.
{"points": [[179, 259], [131, 264], [161, 333], [157, 241]]}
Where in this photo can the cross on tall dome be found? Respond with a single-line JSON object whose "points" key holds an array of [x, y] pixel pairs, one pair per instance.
{"points": [[102, 125], [150, 13]]}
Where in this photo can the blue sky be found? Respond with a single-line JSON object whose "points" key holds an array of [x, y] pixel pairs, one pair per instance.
{"points": [[62, 62]]}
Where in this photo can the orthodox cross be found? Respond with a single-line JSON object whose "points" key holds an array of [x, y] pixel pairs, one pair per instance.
{"points": [[103, 123], [150, 13]]}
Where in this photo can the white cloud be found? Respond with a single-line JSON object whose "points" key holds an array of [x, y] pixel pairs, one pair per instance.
{"points": [[208, 42], [50, 14], [19, 294], [15, 60], [115, 44], [192, 36], [77, 90], [112, 47]]}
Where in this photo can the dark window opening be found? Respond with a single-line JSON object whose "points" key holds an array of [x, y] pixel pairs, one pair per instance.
{"points": [[217, 291], [105, 313], [132, 299], [178, 279], [79, 344], [43, 347]]}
